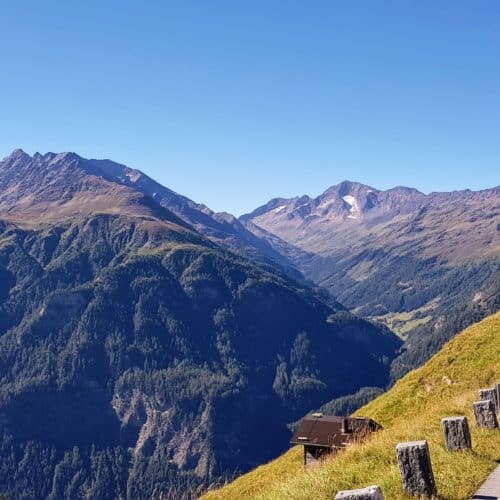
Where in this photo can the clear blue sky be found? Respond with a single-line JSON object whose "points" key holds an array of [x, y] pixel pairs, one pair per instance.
{"points": [[235, 102]]}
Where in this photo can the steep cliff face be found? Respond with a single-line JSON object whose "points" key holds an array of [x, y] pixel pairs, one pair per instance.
{"points": [[139, 358]]}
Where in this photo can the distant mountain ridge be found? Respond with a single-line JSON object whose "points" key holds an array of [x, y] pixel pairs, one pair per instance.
{"points": [[395, 255], [112, 186], [355, 202], [426, 265], [56, 187], [159, 296], [350, 199]]}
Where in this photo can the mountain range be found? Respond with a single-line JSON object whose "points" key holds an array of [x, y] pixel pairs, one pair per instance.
{"points": [[39, 192], [425, 265], [150, 346], [139, 356]]}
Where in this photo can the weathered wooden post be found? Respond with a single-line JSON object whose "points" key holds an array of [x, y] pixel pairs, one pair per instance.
{"points": [[456, 433], [416, 469], [370, 493], [484, 411]]}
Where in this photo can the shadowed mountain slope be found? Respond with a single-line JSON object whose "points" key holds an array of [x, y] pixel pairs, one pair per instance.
{"points": [[139, 358]]}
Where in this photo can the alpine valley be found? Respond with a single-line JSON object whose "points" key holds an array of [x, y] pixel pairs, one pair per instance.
{"points": [[427, 266], [150, 347], [140, 356]]}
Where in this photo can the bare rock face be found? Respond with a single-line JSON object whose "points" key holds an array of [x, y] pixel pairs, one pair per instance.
{"points": [[456, 433], [416, 469], [369, 493], [484, 411], [154, 426]]}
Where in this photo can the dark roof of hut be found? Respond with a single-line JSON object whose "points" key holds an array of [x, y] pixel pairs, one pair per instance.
{"points": [[330, 431]]}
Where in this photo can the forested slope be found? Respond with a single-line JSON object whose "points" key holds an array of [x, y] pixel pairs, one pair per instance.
{"points": [[140, 359]]}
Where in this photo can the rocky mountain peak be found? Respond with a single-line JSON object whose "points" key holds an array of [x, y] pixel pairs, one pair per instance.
{"points": [[348, 199], [17, 155], [348, 188], [346, 202], [54, 187], [38, 157], [66, 156]]}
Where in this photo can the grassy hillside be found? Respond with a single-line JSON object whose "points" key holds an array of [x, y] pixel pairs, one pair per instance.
{"points": [[445, 386]]}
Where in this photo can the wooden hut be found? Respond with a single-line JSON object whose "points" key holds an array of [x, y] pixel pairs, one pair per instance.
{"points": [[321, 435]]}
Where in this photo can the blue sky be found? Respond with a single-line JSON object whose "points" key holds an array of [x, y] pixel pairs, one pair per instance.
{"points": [[235, 102]]}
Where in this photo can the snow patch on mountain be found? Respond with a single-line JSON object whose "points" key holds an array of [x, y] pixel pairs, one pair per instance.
{"points": [[279, 209], [353, 204], [133, 175]]}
